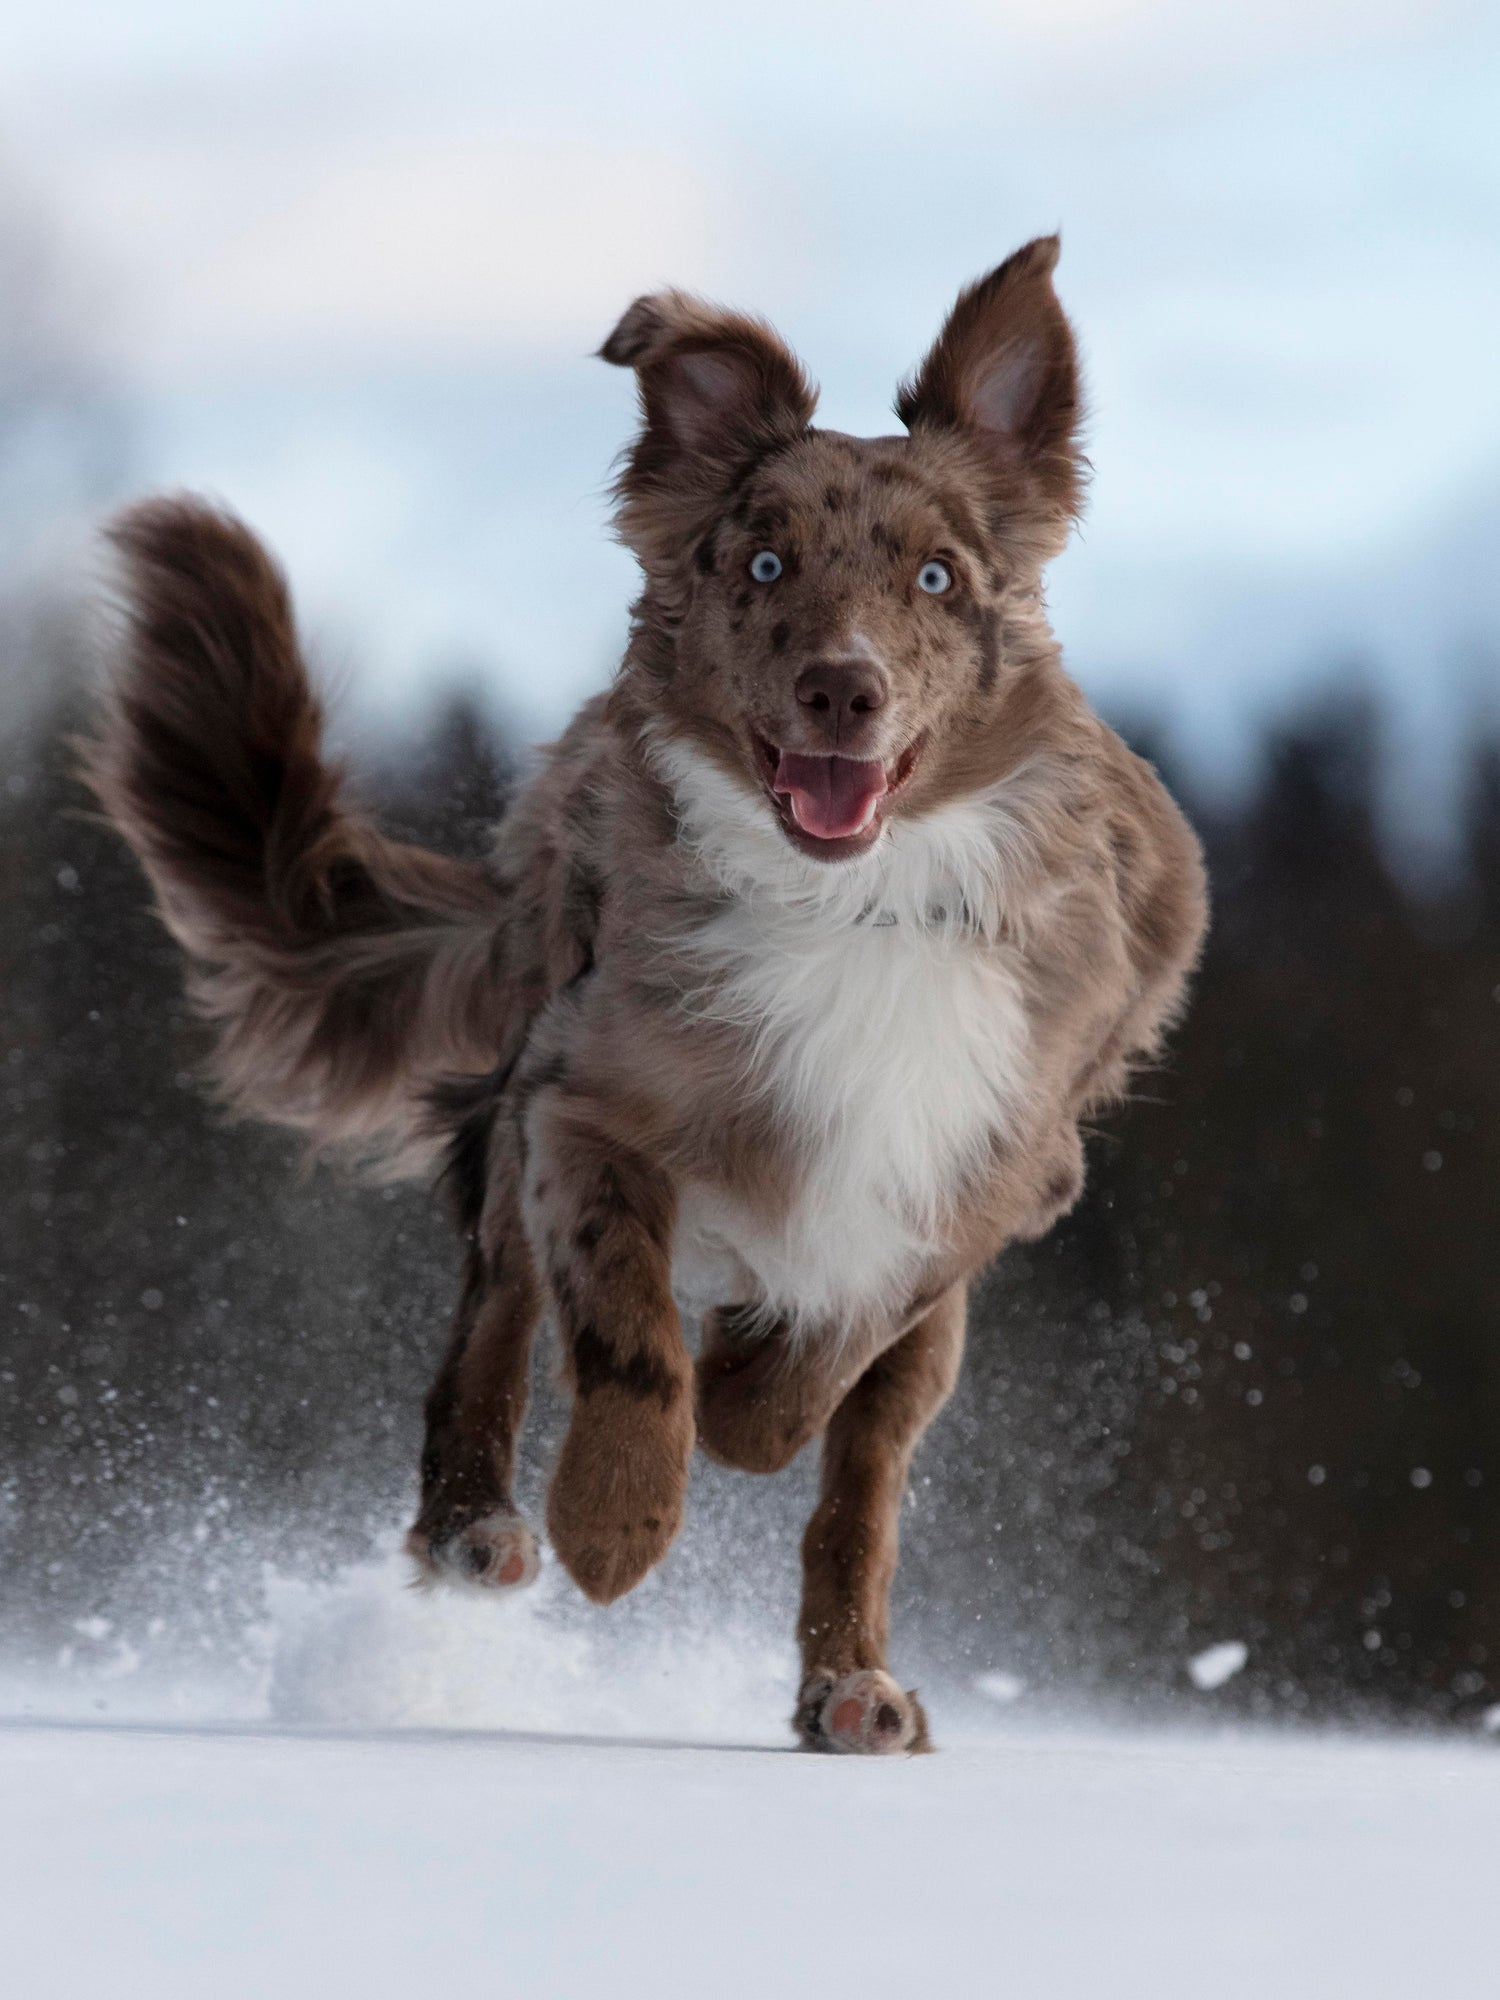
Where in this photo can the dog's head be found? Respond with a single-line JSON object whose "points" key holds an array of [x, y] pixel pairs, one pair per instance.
{"points": [[850, 625]]}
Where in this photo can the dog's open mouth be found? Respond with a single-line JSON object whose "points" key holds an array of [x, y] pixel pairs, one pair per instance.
{"points": [[834, 803]]}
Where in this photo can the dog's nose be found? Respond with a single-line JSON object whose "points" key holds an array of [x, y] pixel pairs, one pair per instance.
{"points": [[841, 697]]}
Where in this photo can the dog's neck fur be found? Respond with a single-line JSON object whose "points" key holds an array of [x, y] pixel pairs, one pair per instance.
{"points": [[955, 870], [883, 1019]]}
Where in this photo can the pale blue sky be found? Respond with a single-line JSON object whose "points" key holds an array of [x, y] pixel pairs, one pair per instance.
{"points": [[353, 260]]}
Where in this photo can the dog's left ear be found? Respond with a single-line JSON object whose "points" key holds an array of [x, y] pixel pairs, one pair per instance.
{"points": [[1004, 370], [717, 390]]}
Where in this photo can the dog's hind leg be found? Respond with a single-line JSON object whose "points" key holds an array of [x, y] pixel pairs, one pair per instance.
{"points": [[467, 1528], [848, 1701], [763, 1394]]}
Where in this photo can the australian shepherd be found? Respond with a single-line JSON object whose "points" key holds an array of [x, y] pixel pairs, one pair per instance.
{"points": [[791, 973]]}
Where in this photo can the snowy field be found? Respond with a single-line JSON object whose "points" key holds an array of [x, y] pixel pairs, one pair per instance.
{"points": [[252, 1863], [407, 1794]]}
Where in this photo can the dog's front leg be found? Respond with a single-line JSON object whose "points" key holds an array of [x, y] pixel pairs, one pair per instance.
{"points": [[600, 1216], [848, 1700]]}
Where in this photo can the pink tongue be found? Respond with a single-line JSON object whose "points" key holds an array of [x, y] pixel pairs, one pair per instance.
{"points": [[832, 797]]}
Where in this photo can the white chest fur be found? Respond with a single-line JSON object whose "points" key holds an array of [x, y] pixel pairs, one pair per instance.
{"points": [[883, 1022]]}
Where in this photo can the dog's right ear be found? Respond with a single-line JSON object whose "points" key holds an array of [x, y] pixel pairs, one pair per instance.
{"points": [[717, 390]]}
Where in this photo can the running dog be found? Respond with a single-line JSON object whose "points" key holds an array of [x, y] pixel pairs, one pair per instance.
{"points": [[793, 970]]}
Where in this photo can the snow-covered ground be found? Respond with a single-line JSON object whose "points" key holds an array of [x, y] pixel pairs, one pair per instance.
{"points": [[258, 1863], [397, 1792]]}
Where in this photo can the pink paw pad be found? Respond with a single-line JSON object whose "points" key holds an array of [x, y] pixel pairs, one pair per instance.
{"points": [[496, 1552], [865, 1714]]}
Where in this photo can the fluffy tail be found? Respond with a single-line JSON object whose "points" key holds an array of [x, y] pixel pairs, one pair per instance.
{"points": [[343, 971]]}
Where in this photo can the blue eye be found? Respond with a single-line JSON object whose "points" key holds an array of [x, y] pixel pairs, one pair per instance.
{"points": [[934, 577], [766, 566]]}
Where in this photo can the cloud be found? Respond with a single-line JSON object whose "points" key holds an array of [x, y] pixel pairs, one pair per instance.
{"points": [[464, 177], [430, 251], [1280, 219]]}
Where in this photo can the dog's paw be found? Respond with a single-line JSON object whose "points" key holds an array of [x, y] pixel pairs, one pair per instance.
{"points": [[748, 1426], [759, 1399], [863, 1714], [496, 1552], [616, 1500]]}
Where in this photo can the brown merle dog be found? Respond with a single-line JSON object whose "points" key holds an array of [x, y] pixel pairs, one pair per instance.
{"points": [[795, 967]]}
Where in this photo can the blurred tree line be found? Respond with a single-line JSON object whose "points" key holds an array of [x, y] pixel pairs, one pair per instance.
{"points": [[1254, 1380], [1247, 1391], [1250, 1389]]}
